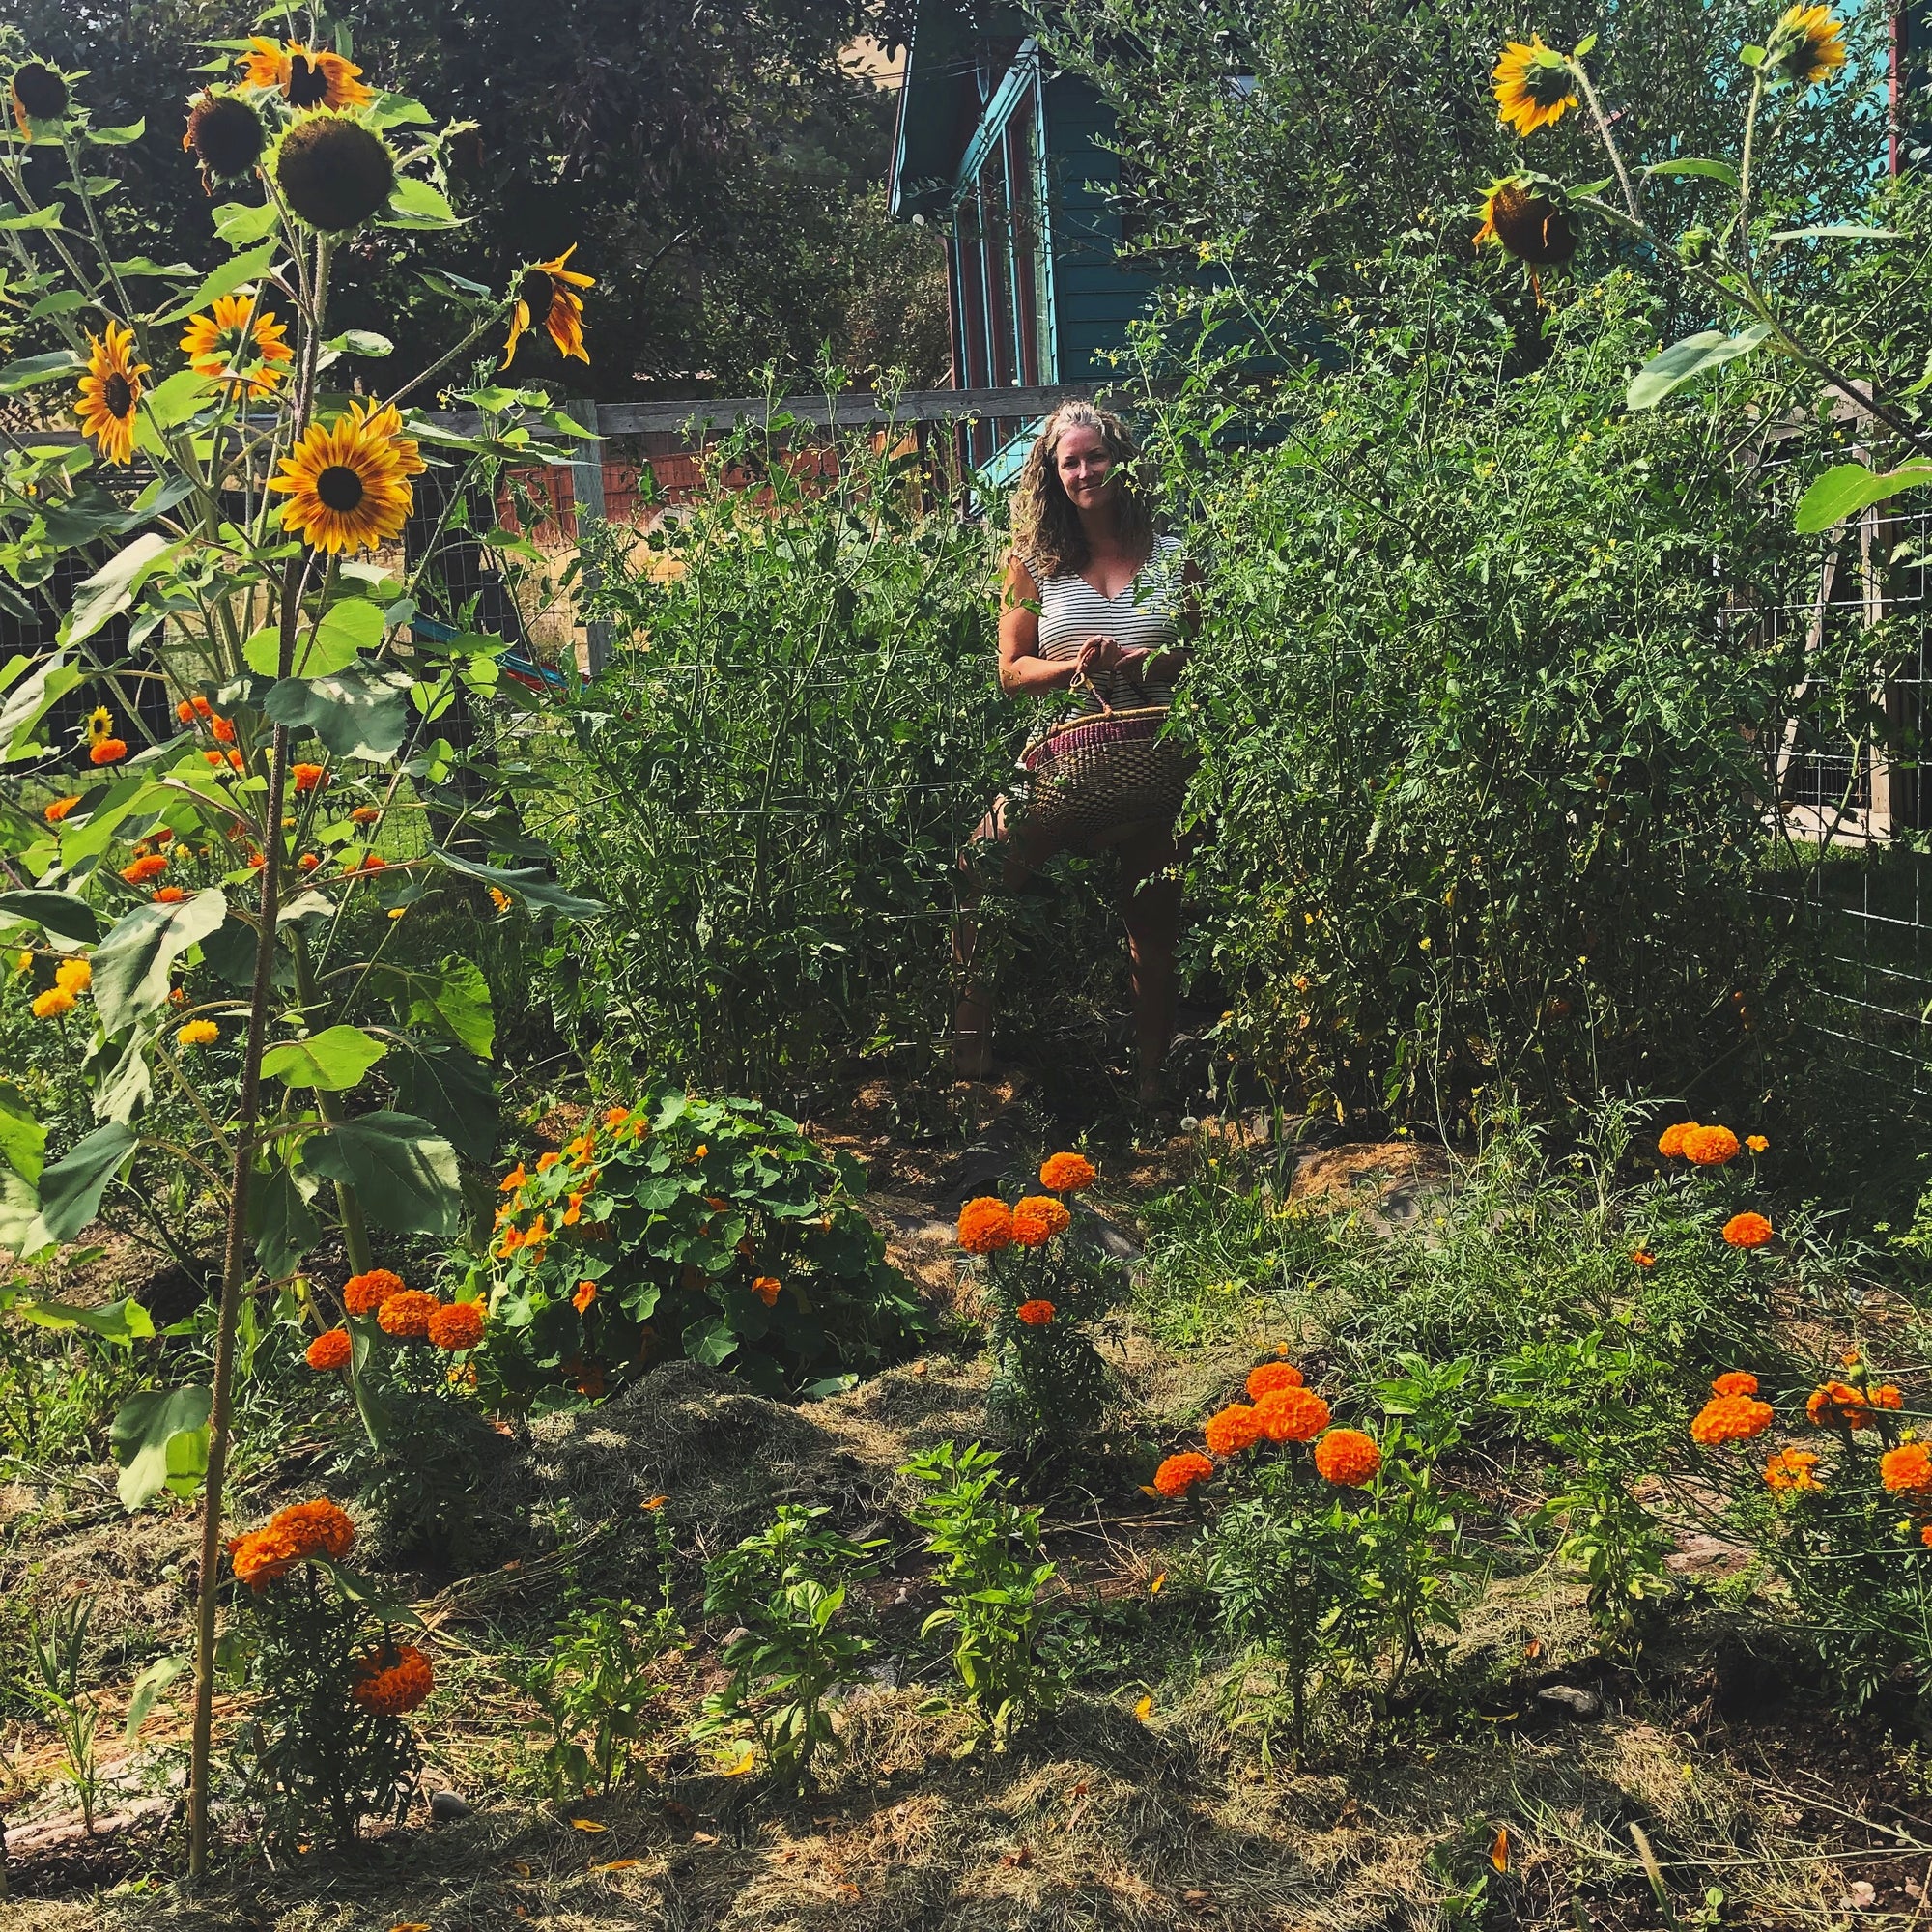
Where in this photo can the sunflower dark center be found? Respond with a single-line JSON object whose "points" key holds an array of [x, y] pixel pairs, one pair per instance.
{"points": [[1547, 85], [41, 91], [339, 488], [308, 82], [535, 296], [118, 394]]}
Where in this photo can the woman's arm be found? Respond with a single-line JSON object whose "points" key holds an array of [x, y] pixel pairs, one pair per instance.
{"points": [[1023, 671]]}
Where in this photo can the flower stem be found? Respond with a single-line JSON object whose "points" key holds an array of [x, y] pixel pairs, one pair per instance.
{"points": [[1609, 139]]}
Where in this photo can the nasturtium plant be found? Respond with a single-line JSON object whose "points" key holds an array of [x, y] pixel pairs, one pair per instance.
{"points": [[709, 1228]]}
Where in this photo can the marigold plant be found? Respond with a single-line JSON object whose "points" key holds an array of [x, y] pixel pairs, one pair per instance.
{"points": [[1748, 1230], [456, 1325], [1067, 1174], [1265, 1377], [1671, 1143], [1347, 1458], [1710, 1147], [1735, 1381], [1730, 1418], [330, 1349], [393, 1681], [1792, 1470], [1037, 1218], [1291, 1414], [985, 1226], [1036, 1314], [1233, 1429], [1177, 1474], [363, 1293], [1907, 1469]]}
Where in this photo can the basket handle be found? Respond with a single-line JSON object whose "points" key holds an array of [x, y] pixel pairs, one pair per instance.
{"points": [[1080, 678]]}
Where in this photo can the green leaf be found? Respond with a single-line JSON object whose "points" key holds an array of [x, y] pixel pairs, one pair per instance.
{"points": [[21, 1231], [525, 883], [23, 1140], [395, 110], [403, 1171], [130, 1086], [360, 712], [453, 997], [30, 701], [118, 137], [1847, 487], [280, 1224], [239, 223], [360, 342], [226, 278], [710, 1342], [1667, 372], [63, 913], [48, 217], [111, 588], [1722, 171], [335, 1060], [452, 1090], [1841, 231], [32, 370], [131, 964], [148, 1688], [415, 204], [169, 405], [122, 1321], [159, 1438], [70, 1189]]}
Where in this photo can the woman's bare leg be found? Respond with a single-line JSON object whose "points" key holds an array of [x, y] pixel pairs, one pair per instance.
{"points": [[972, 1018], [1151, 907]]}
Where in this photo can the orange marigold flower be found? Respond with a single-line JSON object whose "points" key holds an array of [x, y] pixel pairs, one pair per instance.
{"points": [[364, 1294], [309, 778], [1925, 1536], [1735, 1381], [309, 862], [1710, 1147], [73, 976], [198, 1032], [1036, 1314], [547, 1161], [150, 866], [236, 760], [766, 1288], [1067, 1173], [1671, 1143], [407, 1315], [985, 1226], [329, 1351], [53, 1002], [512, 1181], [1887, 1395], [1730, 1418], [106, 750], [457, 1326], [1838, 1405], [184, 711], [1275, 1375], [203, 708], [262, 1555], [1233, 1429], [392, 1681], [321, 1527], [1291, 1415], [168, 895], [290, 1536], [1643, 1258], [586, 1294], [59, 808], [1907, 1468], [1038, 1219], [615, 1116], [364, 814], [213, 759], [1347, 1458], [1756, 1143], [582, 1147], [1793, 1470], [1747, 1231], [1179, 1474], [222, 729]]}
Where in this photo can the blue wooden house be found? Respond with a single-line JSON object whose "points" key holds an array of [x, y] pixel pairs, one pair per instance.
{"points": [[1004, 156]]}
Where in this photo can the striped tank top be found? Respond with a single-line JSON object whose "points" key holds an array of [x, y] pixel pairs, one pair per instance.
{"points": [[1146, 616]]}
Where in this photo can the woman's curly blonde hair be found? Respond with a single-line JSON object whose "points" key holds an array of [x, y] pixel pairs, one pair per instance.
{"points": [[1047, 527]]}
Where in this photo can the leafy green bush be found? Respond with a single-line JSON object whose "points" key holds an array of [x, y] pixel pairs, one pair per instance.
{"points": [[991, 1577], [786, 1589], [772, 781], [712, 1228]]}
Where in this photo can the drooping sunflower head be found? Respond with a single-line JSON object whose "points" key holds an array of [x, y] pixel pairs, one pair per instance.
{"points": [[547, 289], [225, 136], [304, 76], [348, 482], [1534, 86], [39, 97], [238, 342], [1523, 224], [110, 392], [1808, 45], [334, 172]]}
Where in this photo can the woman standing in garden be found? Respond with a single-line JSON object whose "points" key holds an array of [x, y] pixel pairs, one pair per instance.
{"points": [[1093, 605]]}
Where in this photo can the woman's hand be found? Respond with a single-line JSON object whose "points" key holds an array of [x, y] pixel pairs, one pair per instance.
{"points": [[1096, 654]]}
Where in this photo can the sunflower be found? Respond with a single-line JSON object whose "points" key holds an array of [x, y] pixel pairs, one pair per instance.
{"points": [[225, 136], [304, 76], [1531, 227], [238, 342], [550, 287], [346, 482], [110, 392], [1806, 45], [333, 171], [1534, 86], [39, 97], [100, 725]]}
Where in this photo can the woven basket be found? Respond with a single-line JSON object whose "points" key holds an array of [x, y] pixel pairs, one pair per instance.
{"points": [[1099, 773]]}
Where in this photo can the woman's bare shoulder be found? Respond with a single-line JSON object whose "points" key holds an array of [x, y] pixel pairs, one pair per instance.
{"points": [[1020, 585]]}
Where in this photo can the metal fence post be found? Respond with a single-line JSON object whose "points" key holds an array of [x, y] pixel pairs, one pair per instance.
{"points": [[586, 489]]}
